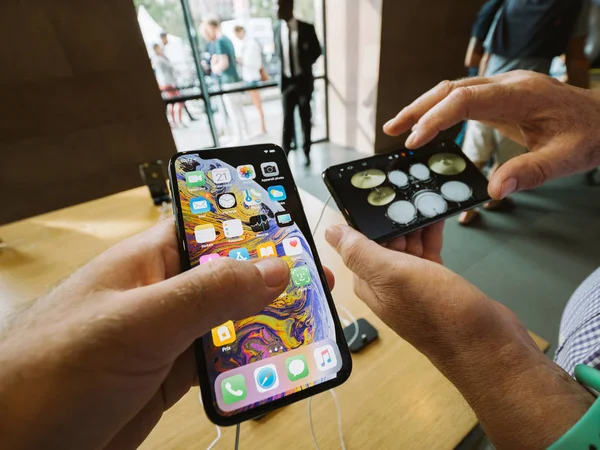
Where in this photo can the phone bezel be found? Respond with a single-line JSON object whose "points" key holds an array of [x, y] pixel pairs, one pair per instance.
{"points": [[326, 176], [201, 367]]}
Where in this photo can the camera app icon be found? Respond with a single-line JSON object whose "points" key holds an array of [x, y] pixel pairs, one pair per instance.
{"points": [[269, 169]]}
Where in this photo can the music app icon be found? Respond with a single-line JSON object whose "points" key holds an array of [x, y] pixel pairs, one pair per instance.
{"points": [[325, 358]]}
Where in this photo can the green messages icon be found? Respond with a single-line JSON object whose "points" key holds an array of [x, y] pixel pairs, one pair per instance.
{"points": [[234, 389], [195, 179], [296, 367]]}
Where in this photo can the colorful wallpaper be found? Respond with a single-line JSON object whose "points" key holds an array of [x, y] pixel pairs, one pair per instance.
{"points": [[301, 315]]}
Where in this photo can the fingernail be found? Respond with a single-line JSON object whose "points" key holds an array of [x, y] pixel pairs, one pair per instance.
{"points": [[508, 187], [274, 271], [411, 139], [334, 235], [388, 124]]}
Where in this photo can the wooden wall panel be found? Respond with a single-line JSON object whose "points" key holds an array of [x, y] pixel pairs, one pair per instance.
{"points": [[80, 105]]}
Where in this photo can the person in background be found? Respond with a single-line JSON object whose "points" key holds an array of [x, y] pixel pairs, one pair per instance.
{"points": [[223, 64], [528, 36], [167, 82], [250, 60], [298, 48], [164, 38]]}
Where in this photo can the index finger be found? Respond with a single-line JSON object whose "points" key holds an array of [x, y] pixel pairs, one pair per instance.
{"points": [[410, 116]]}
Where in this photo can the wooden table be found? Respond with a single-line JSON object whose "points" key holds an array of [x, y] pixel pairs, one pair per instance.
{"points": [[395, 398]]}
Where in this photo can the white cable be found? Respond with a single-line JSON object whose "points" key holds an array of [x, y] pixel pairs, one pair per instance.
{"points": [[310, 424], [321, 216], [339, 420], [354, 321], [213, 443]]}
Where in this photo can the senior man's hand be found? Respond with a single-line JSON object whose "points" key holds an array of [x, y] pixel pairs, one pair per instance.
{"points": [[96, 362], [522, 399], [559, 124]]}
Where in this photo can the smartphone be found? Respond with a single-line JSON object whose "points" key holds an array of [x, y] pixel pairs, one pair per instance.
{"points": [[155, 177], [395, 193], [242, 203]]}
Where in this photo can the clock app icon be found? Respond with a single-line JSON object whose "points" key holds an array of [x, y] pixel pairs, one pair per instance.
{"points": [[227, 201]]}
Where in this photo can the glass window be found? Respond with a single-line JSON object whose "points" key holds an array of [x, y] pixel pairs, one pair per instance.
{"points": [[319, 112]]}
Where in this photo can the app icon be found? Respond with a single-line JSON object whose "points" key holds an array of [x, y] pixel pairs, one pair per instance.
{"points": [[233, 228], [240, 254], [195, 179], [284, 219], [292, 246], [259, 223], [246, 172], [252, 197], [296, 367], [277, 193], [221, 176], [227, 201], [266, 250], [266, 378], [199, 205], [223, 335], [269, 169], [208, 258], [325, 358], [205, 233], [233, 389], [301, 276]]}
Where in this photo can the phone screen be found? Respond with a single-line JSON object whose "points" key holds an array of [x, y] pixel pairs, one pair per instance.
{"points": [[395, 193], [243, 204]]}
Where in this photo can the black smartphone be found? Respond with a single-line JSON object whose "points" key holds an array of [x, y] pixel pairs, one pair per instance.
{"points": [[242, 203], [392, 194], [155, 177]]}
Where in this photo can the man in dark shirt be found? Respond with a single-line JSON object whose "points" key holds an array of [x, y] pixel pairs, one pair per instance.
{"points": [[298, 48]]}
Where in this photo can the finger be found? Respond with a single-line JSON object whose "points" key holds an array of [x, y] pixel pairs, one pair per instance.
{"points": [[362, 256], [398, 244], [330, 277], [414, 243], [411, 115], [433, 241], [174, 313], [528, 171], [483, 102]]}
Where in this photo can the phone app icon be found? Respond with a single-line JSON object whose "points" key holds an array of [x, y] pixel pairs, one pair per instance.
{"points": [[195, 179], [234, 389], [292, 246], [301, 276], [221, 176], [199, 205], [259, 224], [296, 367], [224, 334], [269, 169], [284, 219], [233, 228], [266, 378], [208, 258], [252, 197], [246, 172], [325, 358], [227, 201], [266, 250], [240, 254], [205, 233], [277, 193]]}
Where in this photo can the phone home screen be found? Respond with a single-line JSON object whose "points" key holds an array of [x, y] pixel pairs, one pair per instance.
{"points": [[244, 205]]}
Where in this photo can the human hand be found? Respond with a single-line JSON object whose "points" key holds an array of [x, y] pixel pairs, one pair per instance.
{"points": [[558, 123], [94, 363], [521, 398]]}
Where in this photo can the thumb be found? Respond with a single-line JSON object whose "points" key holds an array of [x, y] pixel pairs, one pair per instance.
{"points": [[176, 312], [526, 171], [363, 257]]}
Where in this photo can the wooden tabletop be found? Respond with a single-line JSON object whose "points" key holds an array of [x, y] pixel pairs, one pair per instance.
{"points": [[395, 398]]}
